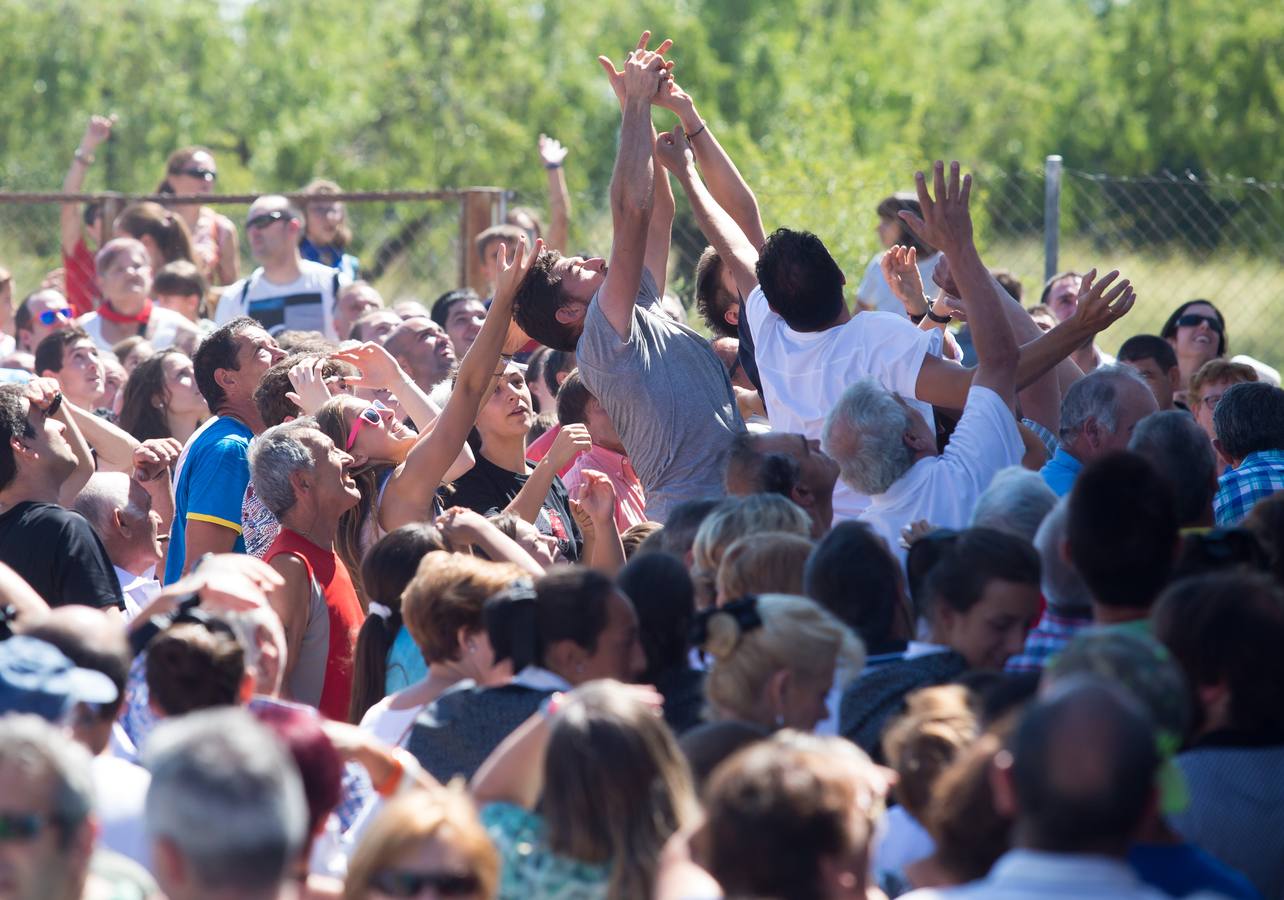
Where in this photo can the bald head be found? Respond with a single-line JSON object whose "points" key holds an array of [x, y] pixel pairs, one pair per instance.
{"points": [[1083, 769], [105, 493], [120, 512]]}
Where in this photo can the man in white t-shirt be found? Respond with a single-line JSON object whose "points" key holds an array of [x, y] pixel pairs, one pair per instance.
{"points": [[809, 347], [885, 448], [286, 292]]}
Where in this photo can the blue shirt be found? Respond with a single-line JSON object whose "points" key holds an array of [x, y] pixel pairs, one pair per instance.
{"points": [[213, 474], [406, 664], [1061, 471], [1181, 869], [333, 257], [1258, 476]]}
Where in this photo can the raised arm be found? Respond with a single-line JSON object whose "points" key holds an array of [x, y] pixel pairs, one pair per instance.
{"points": [[553, 155], [726, 185], [97, 131], [947, 223], [674, 152], [432, 456], [632, 182]]}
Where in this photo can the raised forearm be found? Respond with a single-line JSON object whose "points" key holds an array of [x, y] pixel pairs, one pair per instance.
{"points": [[992, 335], [530, 499], [85, 467], [633, 178], [559, 207], [727, 186], [721, 231]]}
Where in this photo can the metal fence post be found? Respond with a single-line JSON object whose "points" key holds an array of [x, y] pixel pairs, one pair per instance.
{"points": [[1051, 214], [477, 212]]}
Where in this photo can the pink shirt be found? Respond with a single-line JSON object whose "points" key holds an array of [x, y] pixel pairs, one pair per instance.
{"points": [[630, 501]]}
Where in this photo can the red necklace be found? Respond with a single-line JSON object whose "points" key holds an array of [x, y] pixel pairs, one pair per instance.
{"points": [[111, 315]]}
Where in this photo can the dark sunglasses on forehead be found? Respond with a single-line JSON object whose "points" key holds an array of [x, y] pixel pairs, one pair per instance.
{"points": [[203, 174], [265, 219], [50, 316], [1192, 320], [397, 883]]}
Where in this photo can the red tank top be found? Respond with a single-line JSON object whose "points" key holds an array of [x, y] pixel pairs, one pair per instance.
{"points": [[343, 611]]}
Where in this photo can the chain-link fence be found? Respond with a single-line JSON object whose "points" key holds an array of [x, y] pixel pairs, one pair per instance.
{"points": [[410, 244], [1178, 237]]}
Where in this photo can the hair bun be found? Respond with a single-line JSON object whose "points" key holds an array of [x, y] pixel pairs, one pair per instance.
{"points": [[723, 635]]}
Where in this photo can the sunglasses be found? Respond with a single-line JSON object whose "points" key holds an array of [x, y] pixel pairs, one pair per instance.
{"points": [[51, 316], [267, 218], [371, 415], [203, 174], [21, 826], [1192, 320], [396, 883]]}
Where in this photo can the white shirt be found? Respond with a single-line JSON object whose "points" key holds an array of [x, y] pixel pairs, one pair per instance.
{"points": [[138, 590], [120, 789], [163, 327], [944, 489], [876, 292], [305, 304], [1035, 875], [804, 373], [391, 726]]}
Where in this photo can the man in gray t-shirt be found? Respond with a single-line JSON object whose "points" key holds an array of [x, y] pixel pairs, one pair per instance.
{"points": [[661, 384], [668, 397]]}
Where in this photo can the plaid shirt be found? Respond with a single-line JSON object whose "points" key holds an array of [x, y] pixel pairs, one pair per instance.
{"points": [[1048, 638], [1258, 476]]}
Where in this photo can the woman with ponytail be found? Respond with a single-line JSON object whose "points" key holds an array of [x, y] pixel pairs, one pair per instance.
{"points": [[441, 609], [387, 659], [162, 232]]}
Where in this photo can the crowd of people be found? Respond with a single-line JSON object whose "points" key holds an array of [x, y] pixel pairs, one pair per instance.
{"points": [[539, 592]]}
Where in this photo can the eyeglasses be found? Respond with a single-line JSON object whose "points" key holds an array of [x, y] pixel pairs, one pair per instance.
{"points": [[51, 316], [21, 826], [1210, 401], [371, 415], [1192, 320], [267, 218], [397, 883], [203, 174]]}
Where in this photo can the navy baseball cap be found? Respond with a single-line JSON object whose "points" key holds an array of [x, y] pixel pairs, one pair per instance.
{"points": [[37, 677]]}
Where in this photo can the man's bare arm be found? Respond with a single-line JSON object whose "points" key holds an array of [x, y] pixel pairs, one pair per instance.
{"points": [[674, 152]]}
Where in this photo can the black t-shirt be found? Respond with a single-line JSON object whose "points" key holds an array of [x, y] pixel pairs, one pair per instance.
{"points": [[57, 552], [487, 488]]}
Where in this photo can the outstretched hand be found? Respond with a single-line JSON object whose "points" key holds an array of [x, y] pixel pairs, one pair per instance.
{"points": [[1100, 304], [673, 150], [946, 223], [900, 271], [310, 390], [96, 131], [643, 59], [379, 371], [513, 272], [551, 151]]}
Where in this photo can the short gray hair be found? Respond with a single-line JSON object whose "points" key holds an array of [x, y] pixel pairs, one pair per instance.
{"points": [[1181, 453], [102, 495], [1250, 418], [228, 796], [865, 435], [275, 455], [38, 748], [1016, 502], [1096, 396], [1062, 586]]}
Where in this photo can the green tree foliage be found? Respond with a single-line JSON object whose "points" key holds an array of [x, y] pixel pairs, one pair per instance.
{"points": [[810, 95]]}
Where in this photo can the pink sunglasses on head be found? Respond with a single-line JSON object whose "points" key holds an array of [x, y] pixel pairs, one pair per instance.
{"points": [[371, 415]]}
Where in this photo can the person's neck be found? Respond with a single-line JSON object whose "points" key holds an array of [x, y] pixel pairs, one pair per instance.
{"points": [[312, 526], [182, 427], [1024, 838], [134, 560], [190, 213], [40, 486], [129, 305], [425, 379], [506, 452], [87, 402], [1117, 615], [283, 270], [822, 519], [1086, 357], [244, 411]]}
